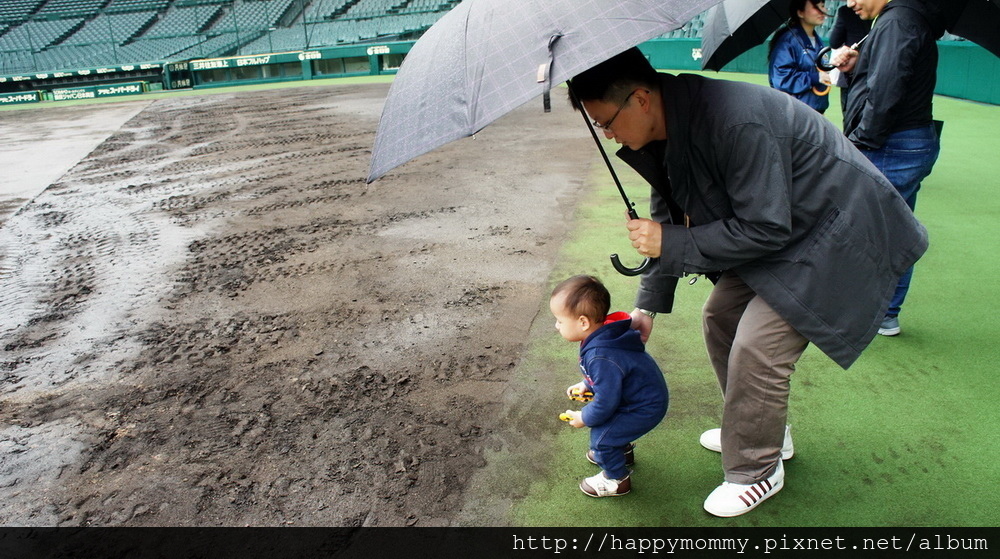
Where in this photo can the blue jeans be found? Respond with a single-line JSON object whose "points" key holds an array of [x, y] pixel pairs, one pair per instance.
{"points": [[906, 158], [608, 441]]}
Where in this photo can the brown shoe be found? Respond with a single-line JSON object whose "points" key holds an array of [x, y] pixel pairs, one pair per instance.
{"points": [[629, 455], [600, 486]]}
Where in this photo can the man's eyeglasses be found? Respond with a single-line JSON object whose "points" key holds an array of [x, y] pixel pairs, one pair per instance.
{"points": [[607, 125]]}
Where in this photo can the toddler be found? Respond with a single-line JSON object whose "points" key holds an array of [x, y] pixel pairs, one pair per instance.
{"points": [[629, 392]]}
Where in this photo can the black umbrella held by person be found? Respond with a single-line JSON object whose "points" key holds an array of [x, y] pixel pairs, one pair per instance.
{"points": [[734, 26], [975, 20], [485, 58]]}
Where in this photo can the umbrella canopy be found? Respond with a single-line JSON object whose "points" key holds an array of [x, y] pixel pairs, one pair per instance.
{"points": [[485, 58], [977, 21], [735, 26]]}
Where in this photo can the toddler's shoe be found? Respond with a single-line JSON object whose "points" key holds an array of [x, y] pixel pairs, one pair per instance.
{"points": [[629, 455], [733, 499], [600, 486]]}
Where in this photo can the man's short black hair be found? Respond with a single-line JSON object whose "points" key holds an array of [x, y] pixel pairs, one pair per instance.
{"points": [[612, 80]]}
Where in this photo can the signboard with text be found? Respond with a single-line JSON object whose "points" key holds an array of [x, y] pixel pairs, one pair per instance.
{"points": [[16, 98]]}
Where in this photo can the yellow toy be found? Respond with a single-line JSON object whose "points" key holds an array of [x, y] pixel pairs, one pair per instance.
{"points": [[581, 394]]}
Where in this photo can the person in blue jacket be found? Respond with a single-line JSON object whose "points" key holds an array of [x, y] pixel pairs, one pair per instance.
{"points": [[792, 58], [630, 395]]}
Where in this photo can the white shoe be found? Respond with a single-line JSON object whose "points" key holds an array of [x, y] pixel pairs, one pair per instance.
{"points": [[733, 499], [600, 486], [712, 440]]}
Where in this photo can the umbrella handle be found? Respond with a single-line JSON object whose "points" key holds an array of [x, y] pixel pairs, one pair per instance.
{"points": [[625, 270], [825, 66], [615, 261]]}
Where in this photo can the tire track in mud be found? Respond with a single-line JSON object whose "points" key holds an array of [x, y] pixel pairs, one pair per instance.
{"points": [[76, 242], [213, 320]]}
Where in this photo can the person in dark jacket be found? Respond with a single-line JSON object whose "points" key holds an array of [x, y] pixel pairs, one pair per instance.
{"points": [[847, 30], [792, 56], [805, 236], [889, 105], [628, 389]]}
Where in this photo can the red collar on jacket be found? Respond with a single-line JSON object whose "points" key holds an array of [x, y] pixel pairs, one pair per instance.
{"points": [[616, 316]]}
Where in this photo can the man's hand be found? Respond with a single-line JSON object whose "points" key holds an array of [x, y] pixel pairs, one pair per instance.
{"points": [[646, 236], [844, 59], [643, 323]]}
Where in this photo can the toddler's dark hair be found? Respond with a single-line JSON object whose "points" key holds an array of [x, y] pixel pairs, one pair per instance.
{"points": [[585, 296]]}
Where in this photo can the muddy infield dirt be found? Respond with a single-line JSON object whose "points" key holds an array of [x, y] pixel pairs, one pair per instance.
{"points": [[212, 320]]}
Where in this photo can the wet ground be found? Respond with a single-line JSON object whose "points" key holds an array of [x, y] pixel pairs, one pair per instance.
{"points": [[211, 319]]}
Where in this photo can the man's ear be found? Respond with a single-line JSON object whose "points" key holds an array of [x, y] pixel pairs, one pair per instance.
{"points": [[641, 96]]}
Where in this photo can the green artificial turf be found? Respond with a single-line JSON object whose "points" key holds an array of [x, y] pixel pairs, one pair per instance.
{"points": [[907, 437]]}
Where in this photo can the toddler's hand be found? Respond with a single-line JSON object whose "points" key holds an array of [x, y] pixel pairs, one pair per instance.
{"points": [[573, 417], [575, 390], [580, 393]]}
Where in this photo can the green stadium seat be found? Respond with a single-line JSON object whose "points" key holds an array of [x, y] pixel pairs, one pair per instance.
{"points": [[35, 35], [14, 11], [70, 8], [182, 21], [110, 28], [117, 6], [60, 34]]}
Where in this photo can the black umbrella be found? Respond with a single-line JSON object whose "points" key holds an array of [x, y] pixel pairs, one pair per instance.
{"points": [[485, 58], [735, 26], [975, 20]]}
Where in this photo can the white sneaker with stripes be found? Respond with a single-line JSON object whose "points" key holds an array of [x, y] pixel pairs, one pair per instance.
{"points": [[733, 499]]}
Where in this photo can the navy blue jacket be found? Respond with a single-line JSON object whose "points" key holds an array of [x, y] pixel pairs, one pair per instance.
{"points": [[792, 68], [623, 377]]}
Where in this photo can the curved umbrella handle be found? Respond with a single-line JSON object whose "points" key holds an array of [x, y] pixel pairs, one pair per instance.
{"points": [[825, 66], [625, 270]]}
